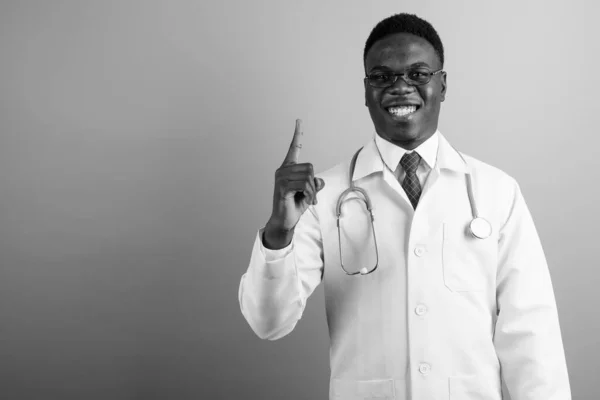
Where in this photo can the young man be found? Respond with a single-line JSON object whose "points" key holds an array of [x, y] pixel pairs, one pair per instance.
{"points": [[428, 302]]}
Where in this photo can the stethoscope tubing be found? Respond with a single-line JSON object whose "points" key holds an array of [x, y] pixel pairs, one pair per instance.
{"points": [[479, 227]]}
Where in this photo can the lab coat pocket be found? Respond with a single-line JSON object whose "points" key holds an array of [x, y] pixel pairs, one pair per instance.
{"points": [[468, 262], [375, 389], [474, 388]]}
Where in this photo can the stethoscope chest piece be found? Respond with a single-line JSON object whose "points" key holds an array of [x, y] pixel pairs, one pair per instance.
{"points": [[480, 228]]}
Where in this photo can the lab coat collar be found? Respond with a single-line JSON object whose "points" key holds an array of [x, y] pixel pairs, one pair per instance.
{"points": [[449, 158], [369, 161], [392, 154]]}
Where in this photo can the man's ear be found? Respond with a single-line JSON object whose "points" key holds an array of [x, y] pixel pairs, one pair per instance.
{"points": [[365, 84], [444, 86]]}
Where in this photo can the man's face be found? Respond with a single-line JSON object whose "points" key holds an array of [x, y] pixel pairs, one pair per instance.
{"points": [[395, 53]]}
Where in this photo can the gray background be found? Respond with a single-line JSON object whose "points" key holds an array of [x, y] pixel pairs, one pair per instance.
{"points": [[138, 143]]}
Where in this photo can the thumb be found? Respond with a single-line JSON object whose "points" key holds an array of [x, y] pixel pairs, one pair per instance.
{"points": [[319, 184]]}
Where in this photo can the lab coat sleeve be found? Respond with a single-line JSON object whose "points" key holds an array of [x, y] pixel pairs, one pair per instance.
{"points": [[527, 336], [274, 290]]}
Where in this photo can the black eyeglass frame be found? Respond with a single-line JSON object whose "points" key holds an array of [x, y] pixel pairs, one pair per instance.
{"points": [[402, 75]]}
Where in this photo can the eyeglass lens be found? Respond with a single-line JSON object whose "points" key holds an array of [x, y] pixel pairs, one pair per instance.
{"points": [[413, 76]]}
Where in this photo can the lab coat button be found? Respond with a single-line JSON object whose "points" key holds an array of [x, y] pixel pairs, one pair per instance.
{"points": [[419, 250], [421, 309], [424, 368]]}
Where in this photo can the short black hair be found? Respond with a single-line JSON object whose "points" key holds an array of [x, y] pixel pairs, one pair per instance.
{"points": [[405, 23]]}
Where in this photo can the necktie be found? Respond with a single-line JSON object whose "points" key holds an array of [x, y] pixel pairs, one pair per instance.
{"points": [[410, 184]]}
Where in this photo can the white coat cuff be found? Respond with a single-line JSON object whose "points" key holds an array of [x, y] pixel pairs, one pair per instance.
{"points": [[277, 263]]}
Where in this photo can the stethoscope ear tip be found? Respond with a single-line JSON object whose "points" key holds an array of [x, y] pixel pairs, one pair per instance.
{"points": [[364, 271]]}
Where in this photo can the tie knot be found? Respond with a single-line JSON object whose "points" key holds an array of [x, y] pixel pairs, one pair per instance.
{"points": [[410, 162]]}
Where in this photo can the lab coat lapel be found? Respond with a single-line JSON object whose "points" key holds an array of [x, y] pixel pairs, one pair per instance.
{"points": [[437, 200], [448, 161]]}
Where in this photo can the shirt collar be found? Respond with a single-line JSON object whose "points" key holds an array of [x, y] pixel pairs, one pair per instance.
{"points": [[391, 154], [438, 153]]}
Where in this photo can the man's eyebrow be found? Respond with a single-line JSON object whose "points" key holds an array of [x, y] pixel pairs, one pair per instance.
{"points": [[380, 67], [417, 64], [420, 64]]}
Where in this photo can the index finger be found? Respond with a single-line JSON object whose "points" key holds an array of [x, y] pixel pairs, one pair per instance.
{"points": [[294, 150]]}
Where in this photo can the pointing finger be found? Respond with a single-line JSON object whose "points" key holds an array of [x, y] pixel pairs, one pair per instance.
{"points": [[294, 150]]}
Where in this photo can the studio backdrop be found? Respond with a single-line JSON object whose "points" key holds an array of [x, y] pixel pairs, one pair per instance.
{"points": [[138, 145]]}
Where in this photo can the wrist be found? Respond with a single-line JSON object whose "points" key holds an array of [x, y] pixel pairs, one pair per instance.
{"points": [[275, 237]]}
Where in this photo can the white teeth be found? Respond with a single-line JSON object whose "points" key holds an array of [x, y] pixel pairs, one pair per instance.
{"points": [[402, 110]]}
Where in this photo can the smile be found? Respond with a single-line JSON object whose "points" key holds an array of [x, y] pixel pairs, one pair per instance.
{"points": [[401, 111]]}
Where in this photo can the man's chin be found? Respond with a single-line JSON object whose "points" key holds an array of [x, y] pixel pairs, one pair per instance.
{"points": [[404, 133], [406, 138]]}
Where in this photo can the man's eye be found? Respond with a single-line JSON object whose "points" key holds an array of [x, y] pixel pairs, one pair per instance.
{"points": [[418, 74], [380, 77]]}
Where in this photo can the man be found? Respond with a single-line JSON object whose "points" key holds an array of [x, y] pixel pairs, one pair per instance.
{"points": [[442, 309]]}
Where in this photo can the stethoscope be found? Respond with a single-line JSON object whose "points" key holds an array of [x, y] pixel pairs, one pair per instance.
{"points": [[479, 227]]}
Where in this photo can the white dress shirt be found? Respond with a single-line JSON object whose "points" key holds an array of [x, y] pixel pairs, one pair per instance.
{"points": [[392, 154]]}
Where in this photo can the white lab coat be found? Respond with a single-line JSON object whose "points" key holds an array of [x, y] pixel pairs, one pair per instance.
{"points": [[445, 315]]}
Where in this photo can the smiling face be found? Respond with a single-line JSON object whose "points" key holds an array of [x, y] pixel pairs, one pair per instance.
{"points": [[388, 106]]}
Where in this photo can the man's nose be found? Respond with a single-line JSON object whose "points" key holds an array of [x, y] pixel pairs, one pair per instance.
{"points": [[400, 86]]}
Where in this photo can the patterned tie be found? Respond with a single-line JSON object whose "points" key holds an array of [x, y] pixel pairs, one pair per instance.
{"points": [[411, 185]]}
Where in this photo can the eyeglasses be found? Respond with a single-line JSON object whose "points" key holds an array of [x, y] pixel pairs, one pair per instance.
{"points": [[412, 76]]}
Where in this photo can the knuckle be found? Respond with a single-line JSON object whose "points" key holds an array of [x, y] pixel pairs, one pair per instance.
{"points": [[281, 181], [284, 169], [305, 167]]}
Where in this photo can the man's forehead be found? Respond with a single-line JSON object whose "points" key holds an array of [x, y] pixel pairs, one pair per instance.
{"points": [[401, 48]]}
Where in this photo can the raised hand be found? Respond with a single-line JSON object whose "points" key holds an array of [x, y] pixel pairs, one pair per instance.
{"points": [[295, 190]]}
